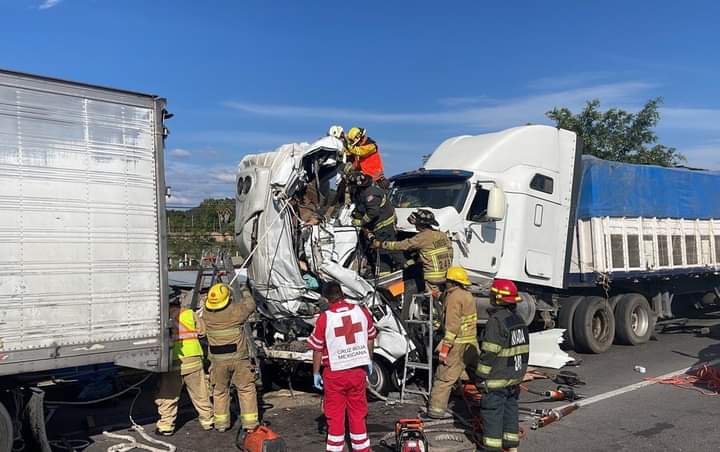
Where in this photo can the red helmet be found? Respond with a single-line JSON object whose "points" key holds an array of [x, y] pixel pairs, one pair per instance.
{"points": [[505, 291]]}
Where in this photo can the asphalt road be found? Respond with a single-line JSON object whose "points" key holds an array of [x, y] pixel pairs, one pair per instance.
{"points": [[653, 418]]}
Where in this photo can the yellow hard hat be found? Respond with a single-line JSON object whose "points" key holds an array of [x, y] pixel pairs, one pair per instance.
{"points": [[218, 297], [459, 275], [356, 134]]}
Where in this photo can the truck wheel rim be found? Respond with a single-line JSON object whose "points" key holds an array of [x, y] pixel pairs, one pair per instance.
{"points": [[639, 321], [600, 325]]}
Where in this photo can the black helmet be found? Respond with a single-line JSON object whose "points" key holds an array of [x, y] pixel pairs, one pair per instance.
{"points": [[359, 179], [423, 217]]}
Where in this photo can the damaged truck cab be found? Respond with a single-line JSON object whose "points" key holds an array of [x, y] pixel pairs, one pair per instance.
{"points": [[293, 234]]}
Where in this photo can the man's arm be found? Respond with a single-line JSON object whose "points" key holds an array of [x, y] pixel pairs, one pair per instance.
{"points": [[364, 150], [491, 346], [411, 244], [247, 307], [317, 360]]}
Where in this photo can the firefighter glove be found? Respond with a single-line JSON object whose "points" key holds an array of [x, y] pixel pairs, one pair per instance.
{"points": [[444, 350], [376, 244], [317, 382]]}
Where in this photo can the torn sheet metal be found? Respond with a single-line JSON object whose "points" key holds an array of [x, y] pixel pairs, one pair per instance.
{"points": [[545, 349]]}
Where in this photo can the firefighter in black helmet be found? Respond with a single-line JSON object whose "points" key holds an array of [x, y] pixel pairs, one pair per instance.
{"points": [[375, 215]]}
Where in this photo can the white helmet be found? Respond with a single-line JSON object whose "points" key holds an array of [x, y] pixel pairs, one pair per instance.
{"points": [[336, 131]]}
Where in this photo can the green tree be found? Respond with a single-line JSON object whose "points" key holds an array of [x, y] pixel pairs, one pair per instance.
{"points": [[619, 135]]}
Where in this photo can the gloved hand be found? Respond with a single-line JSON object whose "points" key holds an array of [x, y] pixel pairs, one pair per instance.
{"points": [[371, 369], [443, 354], [356, 222], [376, 244], [317, 382]]}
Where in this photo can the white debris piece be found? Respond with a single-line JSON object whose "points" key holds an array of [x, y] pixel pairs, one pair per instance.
{"points": [[545, 349]]}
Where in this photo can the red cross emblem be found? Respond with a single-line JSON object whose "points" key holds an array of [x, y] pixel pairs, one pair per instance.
{"points": [[348, 329]]}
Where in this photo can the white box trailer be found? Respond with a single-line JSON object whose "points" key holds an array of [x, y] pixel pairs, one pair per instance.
{"points": [[599, 248], [83, 268]]}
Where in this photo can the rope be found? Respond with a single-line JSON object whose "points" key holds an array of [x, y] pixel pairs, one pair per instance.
{"points": [[264, 236], [703, 376]]}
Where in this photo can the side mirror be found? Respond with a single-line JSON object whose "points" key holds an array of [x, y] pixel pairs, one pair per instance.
{"points": [[496, 204]]}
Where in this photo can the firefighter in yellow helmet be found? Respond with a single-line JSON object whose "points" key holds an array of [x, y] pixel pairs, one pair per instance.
{"points": [[458, 348], [223, 320], [365, 155], [187, 369]]}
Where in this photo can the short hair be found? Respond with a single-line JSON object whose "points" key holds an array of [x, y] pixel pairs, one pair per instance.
{"points": [[332, 291]]}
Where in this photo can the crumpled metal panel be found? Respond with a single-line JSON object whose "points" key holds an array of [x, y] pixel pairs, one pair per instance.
{"points": [[78, 220]]}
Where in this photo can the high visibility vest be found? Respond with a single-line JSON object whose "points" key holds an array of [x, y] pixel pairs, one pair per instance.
{"points": [[346, 338], [370, 164], [186, 343]]}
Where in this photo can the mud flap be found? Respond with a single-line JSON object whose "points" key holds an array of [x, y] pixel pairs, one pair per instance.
{"points": [[35, 415]]}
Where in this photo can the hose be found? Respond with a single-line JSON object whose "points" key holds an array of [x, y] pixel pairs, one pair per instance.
{"points": [[92, 402]]}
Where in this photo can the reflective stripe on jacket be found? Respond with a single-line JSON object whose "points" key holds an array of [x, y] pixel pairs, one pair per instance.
{"points": [[505, 350], [460, 317], [186, 346], [435, 250], [366, 158]]}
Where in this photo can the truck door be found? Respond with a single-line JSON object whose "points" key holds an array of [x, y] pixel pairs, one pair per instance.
{"points": [[480, 240]]}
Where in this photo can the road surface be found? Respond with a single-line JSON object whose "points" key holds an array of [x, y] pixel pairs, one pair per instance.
{"points": [[651, 418]]}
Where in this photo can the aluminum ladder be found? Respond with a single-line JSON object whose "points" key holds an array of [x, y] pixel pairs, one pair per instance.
{"points": [[425, 325]]}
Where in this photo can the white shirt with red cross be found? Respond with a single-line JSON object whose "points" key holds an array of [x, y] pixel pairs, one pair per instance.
{"points": [[342, 334]]}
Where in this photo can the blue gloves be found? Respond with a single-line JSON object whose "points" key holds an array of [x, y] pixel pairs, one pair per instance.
{"points": [[370, 368], [317, 382]]}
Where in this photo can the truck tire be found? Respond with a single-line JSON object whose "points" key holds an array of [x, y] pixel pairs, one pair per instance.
{"points": [[381, 379], [526, 308], [634, 320], [6, 430], [593, 326], [565, 317]]}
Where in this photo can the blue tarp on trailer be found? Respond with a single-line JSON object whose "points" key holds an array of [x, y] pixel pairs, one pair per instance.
{"points": [[613, 189]]}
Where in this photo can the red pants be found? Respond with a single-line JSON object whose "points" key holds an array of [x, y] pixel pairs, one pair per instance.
{"points": [[345, 390]]}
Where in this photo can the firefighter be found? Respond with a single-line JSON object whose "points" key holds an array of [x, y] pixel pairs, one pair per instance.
{"points": [[458, 348], [433, 246], [365, 155], [503, 362], [223, 320], [342, 345], [187, 369], [375, 215]]}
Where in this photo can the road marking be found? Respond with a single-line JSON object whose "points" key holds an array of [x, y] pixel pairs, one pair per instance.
{"points": [[635, 386]]}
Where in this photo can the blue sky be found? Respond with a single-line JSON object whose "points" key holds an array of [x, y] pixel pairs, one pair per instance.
{"points": [[247, 76]]}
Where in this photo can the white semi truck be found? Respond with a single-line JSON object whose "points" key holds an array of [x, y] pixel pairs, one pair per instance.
{"points": [[598, 248], [83, 267]]}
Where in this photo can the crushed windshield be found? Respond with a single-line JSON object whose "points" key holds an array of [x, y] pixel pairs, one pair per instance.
{"points": [[430, 192]]}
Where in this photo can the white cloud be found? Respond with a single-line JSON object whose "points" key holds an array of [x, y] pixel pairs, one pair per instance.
{"points": [[180, 153], [191, 183], [704, 156], [690, 118], [502, 113], [47, 4], [568, 80]]}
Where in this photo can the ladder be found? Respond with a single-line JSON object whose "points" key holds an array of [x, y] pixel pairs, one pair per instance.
{"points": [[423, 324], [219, 269]]}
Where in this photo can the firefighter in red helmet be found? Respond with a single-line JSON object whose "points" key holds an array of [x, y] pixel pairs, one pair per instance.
{"points": [[503, 362]]}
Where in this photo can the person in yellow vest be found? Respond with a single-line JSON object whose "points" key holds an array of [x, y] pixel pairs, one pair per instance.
{"points": [[223, 323], [459, 346], [187, 369]]}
